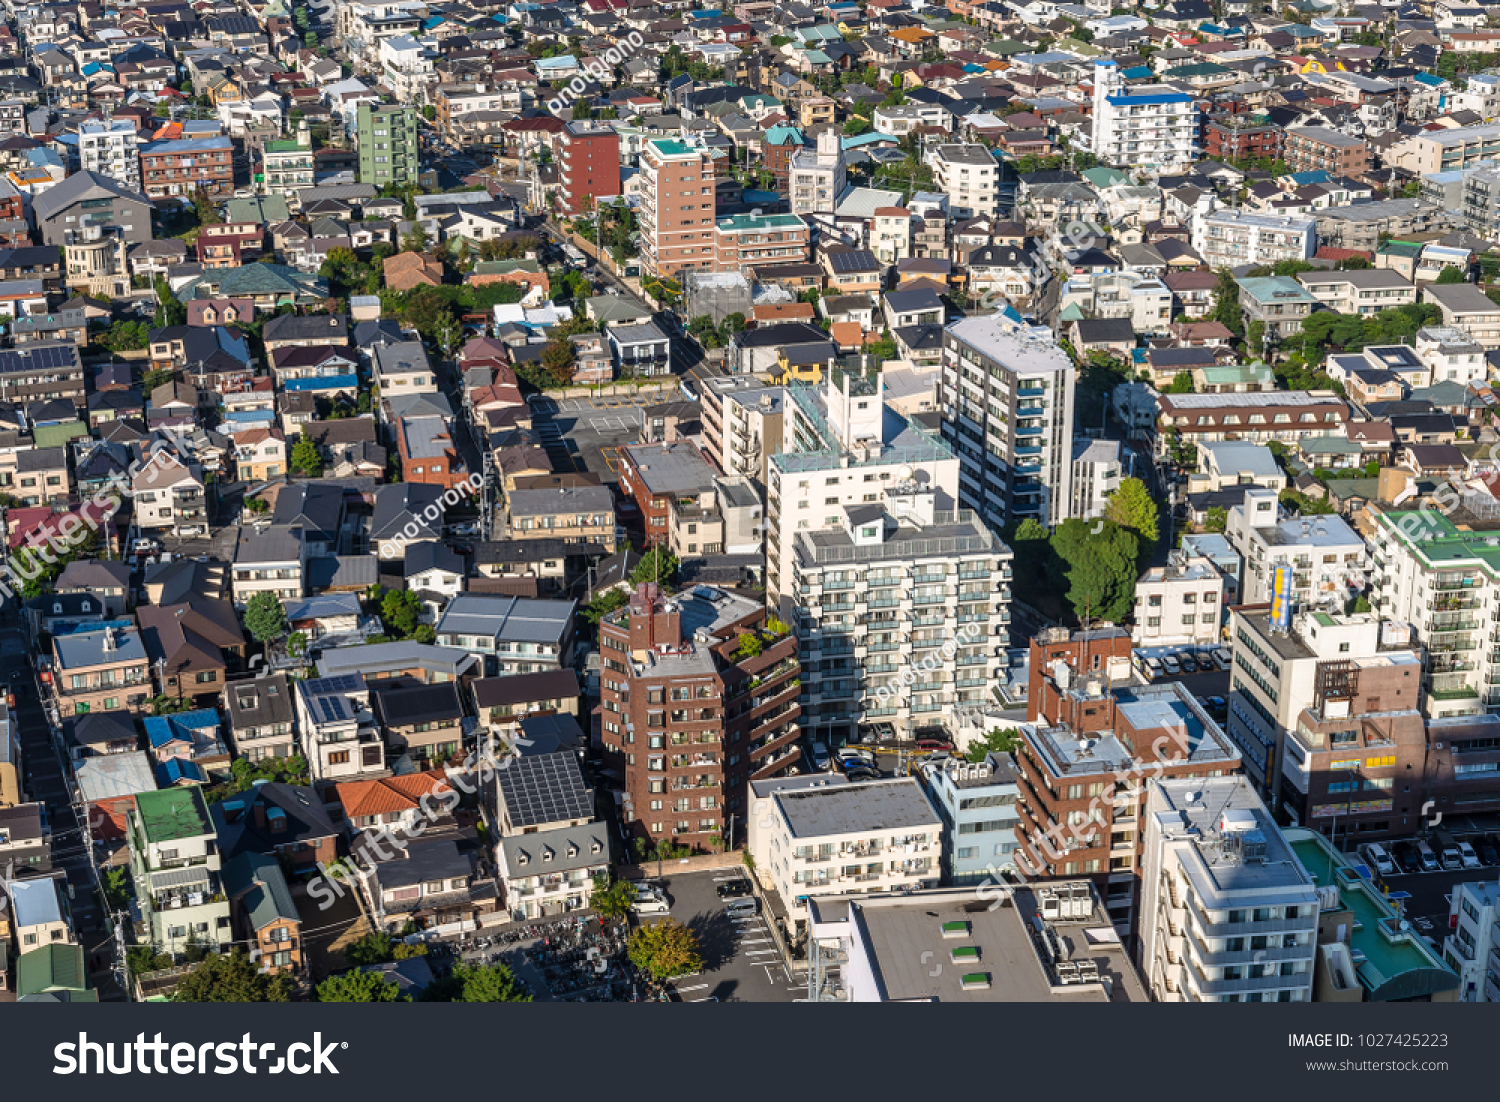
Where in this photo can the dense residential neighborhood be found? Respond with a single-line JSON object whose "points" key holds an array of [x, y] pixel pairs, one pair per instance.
{"points": [[546, 501]]}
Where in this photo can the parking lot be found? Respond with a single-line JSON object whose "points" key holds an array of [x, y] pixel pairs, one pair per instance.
{"points": [[586, 434], [741, 961]]}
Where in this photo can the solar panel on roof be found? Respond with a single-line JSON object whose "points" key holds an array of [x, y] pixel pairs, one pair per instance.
{"points": [[547, 788], [42, 356], [857, 261]]}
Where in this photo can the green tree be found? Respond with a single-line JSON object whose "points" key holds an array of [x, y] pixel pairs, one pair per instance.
{"points": [[232, 978], [612, 898], [1451, 274], [169, 311], [359, 987], [750, 645], [400, 612], [416, 239], [305, 457], [116, 886], [140, 959], [1182, 383], [265, 619], [1227, 308], [999, 741], [656, 565], [1095, 566], [1132, 507], [559, 359], [1217, 520], [602, 605], [665, 949], [469, 983]]}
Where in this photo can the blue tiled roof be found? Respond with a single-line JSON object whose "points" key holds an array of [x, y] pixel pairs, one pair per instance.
{"points": [[162, 730], [174, 771]]}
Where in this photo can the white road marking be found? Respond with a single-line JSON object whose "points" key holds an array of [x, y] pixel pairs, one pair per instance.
{"points": [[695, 987], [761, 953]]}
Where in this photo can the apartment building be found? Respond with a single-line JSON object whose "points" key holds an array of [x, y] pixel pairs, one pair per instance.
{"points": [[170, 496], [175, 864], [1228, 238], [1359, 292], [1319, 148], [1044, 943], [1149, 126], [969, 176], [386, 136], [588, 166], [841, 446], [1446, 150], [699, 699], [103, 670], [337, 730], [429, 454], [1275, 677], [42, 370], [273, 561], [1326, 559], [1180, 604], [753, 420], [1466, 307], [288, 166], [1472, 949], [1227, 912], [111, 149], [1228, 137], [677, 209], [1097, 466], [1094, 739], [818, 174], [1450, 356], [977, 802], [812, 839], [750, 240], [1280, 304], [573, 514], [673, 486], [188, 166], [1258, 416], [1006, 393], [1443, 581], [898, 584], [549, 872]]}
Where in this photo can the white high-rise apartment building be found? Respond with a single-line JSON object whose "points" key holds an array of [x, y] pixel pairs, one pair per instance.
{"points": [[1148, 126], [1228, 913], [841, 445], [969, 176], [111, 149], [899, 586], [1230, 238], [1006, 394]]}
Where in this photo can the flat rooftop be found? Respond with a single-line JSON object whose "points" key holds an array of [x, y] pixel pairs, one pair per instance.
{"points": [[857, 808]]}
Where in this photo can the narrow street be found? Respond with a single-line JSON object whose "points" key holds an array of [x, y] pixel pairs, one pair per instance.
{"points": [[46, 782]]}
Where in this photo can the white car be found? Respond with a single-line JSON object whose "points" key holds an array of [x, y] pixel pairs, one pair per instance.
{"points": [[1154, 667], [1467, 855], [1172, 665], [1221, 657]]}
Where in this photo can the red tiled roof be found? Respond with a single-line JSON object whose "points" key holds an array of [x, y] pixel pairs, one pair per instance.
{"points": [[388, 795]]}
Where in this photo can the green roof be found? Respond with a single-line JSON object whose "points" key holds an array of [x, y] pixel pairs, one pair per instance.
{"points": [[1396, 964], [1435, 540], [286, 147], [173, 813], [738, 222], [55, 436], [1328, 445], [505, 267], [264, 208], [1006, 47], [258, 882], [54, 967], [780, 135], [667, 147], [1228, 374], [1283, 288], [1105, 177]]}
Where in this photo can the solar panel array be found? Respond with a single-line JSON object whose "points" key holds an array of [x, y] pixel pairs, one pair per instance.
{"points": [[547, 788], [859, 260], [39, 357]]}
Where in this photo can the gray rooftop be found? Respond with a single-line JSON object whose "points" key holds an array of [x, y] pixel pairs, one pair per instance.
{"points": [[855, 808], [671, 468], [509, 619], [562, 849], [84, 649], [566, 500]]}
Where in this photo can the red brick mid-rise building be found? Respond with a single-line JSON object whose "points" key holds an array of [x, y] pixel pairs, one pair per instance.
{"points": [[183, 167], [1310, 148], [1098, 738], [677, 208], [1232, 137], [588, 163], [428, 453], [698, 698]]}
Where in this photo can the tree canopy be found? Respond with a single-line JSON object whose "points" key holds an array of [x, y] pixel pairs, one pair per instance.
{"points": [[1095, 568], [612, 898], [359, 987], [265, 618], [665, 949], [1132, 507], [232, 978]]}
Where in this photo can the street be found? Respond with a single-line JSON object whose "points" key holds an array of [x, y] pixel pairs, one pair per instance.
{"points": [[45, 781]]}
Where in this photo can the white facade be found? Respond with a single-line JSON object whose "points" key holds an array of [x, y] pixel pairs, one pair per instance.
{"points": [[1473, 948], [1096, 474], [340, 738], [1152, 126], [1230, 238], [1180, 604], [1327, 557], [835, 838], [1451, 356], [1228, 913], [406, 65], [969, 176], [817, 174], [899, 587], [111, 149]]}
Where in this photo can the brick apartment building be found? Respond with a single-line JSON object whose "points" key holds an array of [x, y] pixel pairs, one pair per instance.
{"points": [[1309, 148], [1230, 137], [182, 167], [588, 162], [677, 208], [428, 452], [1082, 769], [659, 476], [698, 699]]}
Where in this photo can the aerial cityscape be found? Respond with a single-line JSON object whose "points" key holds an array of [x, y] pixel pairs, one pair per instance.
{"points": [[865, 501]]}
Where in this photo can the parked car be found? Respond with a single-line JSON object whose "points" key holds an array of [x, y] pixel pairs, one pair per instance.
{"points": [[1222, 658], [145, 545], [1154, 668], [1487, 851], [648, 902], [862, 773], [856, 754], [1467, 857], [1171, 665], [1189, 663], [1406, 857], [733, 889], [1428, 858], [1378, 858], [748, 907], [929, 745]]}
